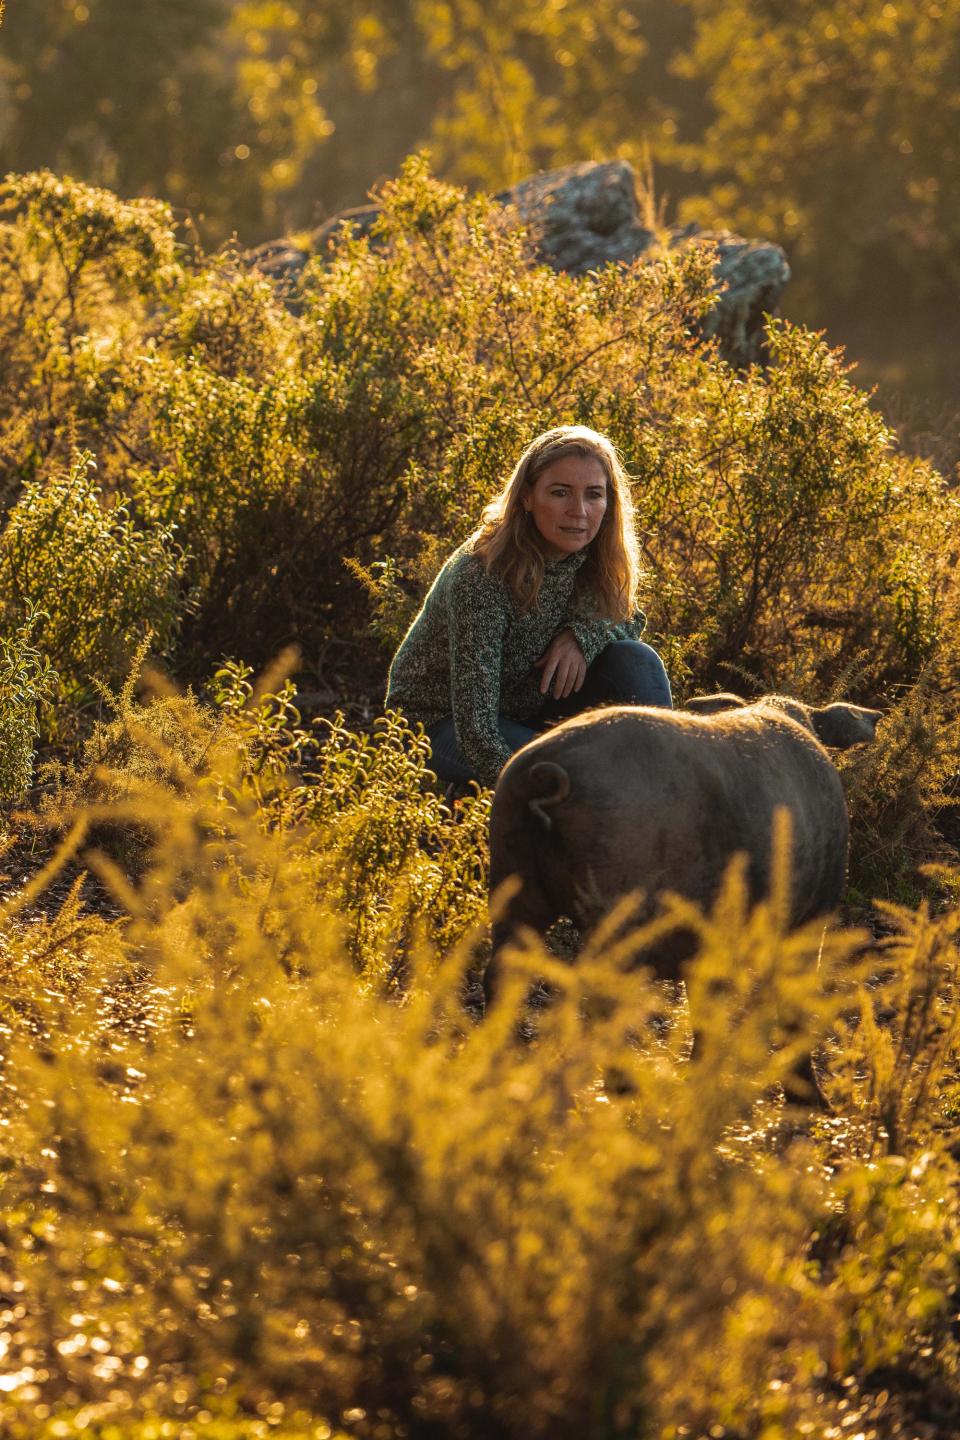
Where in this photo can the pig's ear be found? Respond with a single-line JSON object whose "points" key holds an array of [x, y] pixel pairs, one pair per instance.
{"points": [[840, 726], [713, 704]]}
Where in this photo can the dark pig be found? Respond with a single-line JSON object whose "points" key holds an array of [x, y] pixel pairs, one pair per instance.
{"points": [[632, 798]]}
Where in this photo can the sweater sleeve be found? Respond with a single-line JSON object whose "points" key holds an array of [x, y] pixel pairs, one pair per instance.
{"points": [[593, 635], [477, 620]]}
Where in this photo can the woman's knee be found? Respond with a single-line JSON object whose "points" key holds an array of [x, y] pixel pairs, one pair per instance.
{"points": [[631, 672]]}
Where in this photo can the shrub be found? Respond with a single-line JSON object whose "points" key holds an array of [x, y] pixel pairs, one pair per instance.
{"points": [[896, 790], [362, 810], [371, 421], [227, 317], [246, 1177], [392, 858], [78, 270], [901, 1071], [26, 684], [105, 581], [786, 536], [164, 739], [382, 846], [229, 479]]}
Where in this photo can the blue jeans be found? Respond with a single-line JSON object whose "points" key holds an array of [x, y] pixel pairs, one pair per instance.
{"points": [[626, 672]]}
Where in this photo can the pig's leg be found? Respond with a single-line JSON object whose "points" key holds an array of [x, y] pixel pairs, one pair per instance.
{"points": [[530, 909], [803, 1085]]}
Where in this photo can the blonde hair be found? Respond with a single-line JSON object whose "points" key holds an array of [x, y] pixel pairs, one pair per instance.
{"points": [[508, 541]]}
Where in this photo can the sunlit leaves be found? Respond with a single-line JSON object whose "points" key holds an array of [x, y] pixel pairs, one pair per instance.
{"points": [[27, 680], [374, 421], [834, 129], [253, 1168], [61, 545]]}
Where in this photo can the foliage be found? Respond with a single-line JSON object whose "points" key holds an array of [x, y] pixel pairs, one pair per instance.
{"points": [[898, 790], [243, 1182], [775, 506], [153, 100], [395, 852], [363, 810], [230, 482], [300, 456], [61, 546], [80, 226], [77, 269], [496, 90], [248, 113], [900, 1069], [833, 124], [386, 850], [26, 682], [827, 125], [392, 610], [161, 738]]}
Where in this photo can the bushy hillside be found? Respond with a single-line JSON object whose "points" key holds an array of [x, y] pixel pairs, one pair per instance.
{"points": [[265, 1169], [244, 450]]}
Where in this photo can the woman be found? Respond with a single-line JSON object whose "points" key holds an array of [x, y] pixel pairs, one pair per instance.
{"points": [[534, 618]]}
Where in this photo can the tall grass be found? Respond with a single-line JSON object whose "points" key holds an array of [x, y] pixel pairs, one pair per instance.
{"points": [[249, 1173]]}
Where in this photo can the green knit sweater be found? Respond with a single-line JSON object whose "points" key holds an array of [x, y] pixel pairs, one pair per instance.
{"points": [[470, 653]]}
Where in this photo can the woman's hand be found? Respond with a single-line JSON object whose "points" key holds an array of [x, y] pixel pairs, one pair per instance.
{"points": [[563, 665]]}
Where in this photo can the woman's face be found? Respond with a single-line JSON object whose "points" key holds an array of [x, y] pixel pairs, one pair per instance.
{"points": [[568, 501]]}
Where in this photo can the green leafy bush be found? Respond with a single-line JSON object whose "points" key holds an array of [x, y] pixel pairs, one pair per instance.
{"points": [[243, 1180], [902, 1071], [78, 270], [362, 811], [371, 420], [26, 684], [898, 791], [100, 582], [786, 536], [229, 478]]}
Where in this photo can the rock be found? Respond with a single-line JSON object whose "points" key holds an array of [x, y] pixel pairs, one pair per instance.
{"points": [[753, 275], [583, 217]]}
